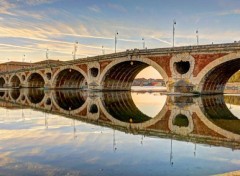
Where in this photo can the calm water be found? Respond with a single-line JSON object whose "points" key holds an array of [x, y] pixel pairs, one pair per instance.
{"points": [[117, 133]]}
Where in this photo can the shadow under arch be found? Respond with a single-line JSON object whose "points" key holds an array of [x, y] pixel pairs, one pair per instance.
{"points": [[69, 78], [120, 109], [213, 78], [15, 81], [35, 80], [120, 73], [69, 101], [2, 82]]}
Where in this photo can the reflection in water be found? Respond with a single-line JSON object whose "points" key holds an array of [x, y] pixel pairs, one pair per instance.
{"points": [[70, 99], [47, 143], [35, 95]]}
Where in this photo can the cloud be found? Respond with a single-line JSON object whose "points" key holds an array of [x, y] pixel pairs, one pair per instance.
{"points": [[117, 7], [164, 41], [230, 12], [95, 9], [36, 2], [5, 7]]}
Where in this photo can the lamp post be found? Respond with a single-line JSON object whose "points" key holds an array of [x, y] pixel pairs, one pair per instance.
{"points": [[47, 56], [75, 50], [23, 59], [197, 36], [116, 33], [143, 43], [103, 52], [174, 23]]}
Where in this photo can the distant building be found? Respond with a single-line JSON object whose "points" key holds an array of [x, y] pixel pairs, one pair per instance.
{"points": [[9, 66], [13, 65], [148, 82]]}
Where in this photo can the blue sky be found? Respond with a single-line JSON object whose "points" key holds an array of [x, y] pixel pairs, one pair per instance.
{"points": [[29, 27]]}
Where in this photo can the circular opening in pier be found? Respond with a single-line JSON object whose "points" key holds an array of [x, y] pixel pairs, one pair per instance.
{"points": [[94, 71], [23, 77], [182, 67], [48, 102], [23, 98], [49, 76], [93, 109], [181, 120]]}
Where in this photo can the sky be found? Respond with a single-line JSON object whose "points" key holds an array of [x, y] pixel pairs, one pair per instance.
{"points": [[29, 27]]}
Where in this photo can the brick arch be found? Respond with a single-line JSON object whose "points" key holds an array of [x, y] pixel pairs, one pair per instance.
{"points": [[213, 77], [2, 81], [75, 70], [15, 80], [36, 79], [126, 70]]}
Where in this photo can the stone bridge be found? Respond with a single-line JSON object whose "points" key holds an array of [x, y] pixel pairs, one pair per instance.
{"points": [[202, 69], [203, 119]]}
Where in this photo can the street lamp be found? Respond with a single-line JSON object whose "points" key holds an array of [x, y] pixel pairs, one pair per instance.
{"points": [[75, 50], [143, 43], [103, 52], [47, 56], [23, 59], [116, 33], [174, 23], [197, 36]]}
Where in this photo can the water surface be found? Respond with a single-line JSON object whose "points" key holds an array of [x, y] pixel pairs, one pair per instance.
{"points": [[117, 133]]}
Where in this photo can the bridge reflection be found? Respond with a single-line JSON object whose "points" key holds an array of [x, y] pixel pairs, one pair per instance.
{"points": [[205, 119]]}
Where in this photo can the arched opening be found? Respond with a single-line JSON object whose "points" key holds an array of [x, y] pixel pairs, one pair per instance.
{"points": [[15, 81], [215, 80], [48, 102], [69, 78], [35, 96], [2, 82], [15, 94], [94, 71], [182, 67], [181, 120], [49, 76], [35, 80], [23, 77], [70, 99], [93, 109], [121, 76]]}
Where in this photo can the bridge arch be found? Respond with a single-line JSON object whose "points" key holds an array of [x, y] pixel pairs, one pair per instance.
{"points": [[2, 81], [213, 78], [120, 73], [69, 77], [15, 81], [36, 80]]}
